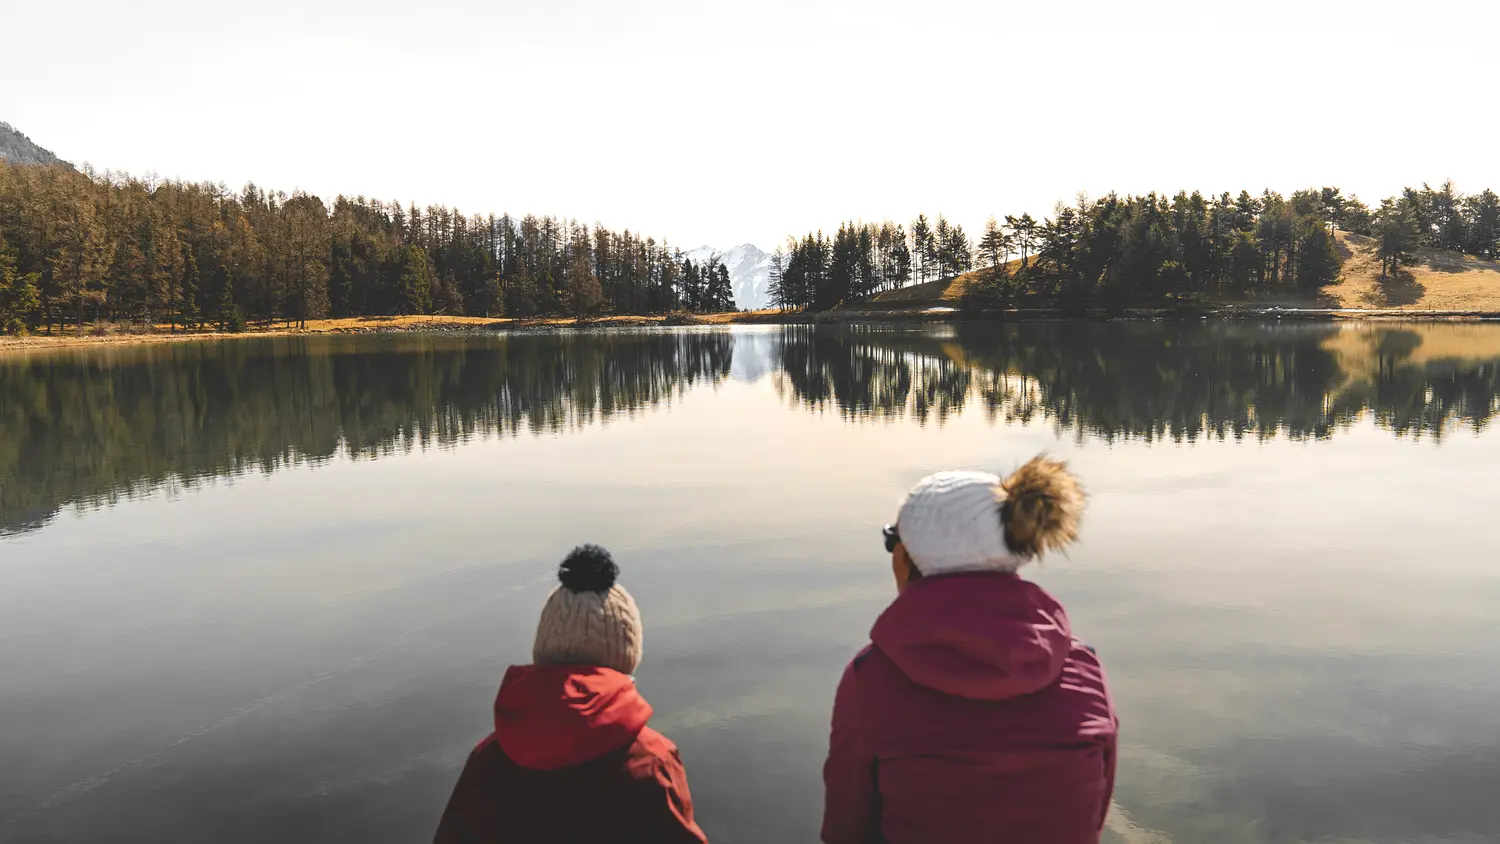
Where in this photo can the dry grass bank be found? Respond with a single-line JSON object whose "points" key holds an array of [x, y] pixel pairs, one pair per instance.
{"points": [[945, 292], [133, 335], [1443, 281]]}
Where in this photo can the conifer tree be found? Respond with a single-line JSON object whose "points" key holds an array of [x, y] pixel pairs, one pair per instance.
{"points": [[921, 247], [584, 293], [1398, 236], [19, 297], [230, 318], [187, 307], [414, 290], [1317, 257], [775, 291], [992, 244], [1483, 213]]}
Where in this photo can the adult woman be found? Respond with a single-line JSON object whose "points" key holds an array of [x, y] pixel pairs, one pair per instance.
{"points": [[974, 714]]}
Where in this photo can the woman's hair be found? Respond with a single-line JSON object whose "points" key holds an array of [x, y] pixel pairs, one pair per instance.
{"points": [[1040, 506]]}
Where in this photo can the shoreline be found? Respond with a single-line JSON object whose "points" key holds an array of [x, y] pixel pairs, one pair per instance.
{"points": [[423, 324]]}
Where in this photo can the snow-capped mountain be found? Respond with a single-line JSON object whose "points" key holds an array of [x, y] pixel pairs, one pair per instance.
{"points": [[749, 272]]}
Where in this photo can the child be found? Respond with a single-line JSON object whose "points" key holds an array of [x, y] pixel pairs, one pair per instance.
{"points": [[571, 758], [974, 715]]}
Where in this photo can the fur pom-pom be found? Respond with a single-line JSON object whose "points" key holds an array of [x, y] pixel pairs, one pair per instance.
{"points": [[1041, 505], [588, 568]]}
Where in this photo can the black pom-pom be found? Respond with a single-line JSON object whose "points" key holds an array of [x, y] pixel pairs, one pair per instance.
{"points": [[588, 568]]}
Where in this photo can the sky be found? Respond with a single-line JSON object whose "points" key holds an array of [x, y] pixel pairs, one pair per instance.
{"points": [[728, 122]]}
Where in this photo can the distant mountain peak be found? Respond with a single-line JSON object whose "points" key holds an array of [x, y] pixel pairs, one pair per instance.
{"points": [[749, 272], [19, 149]]}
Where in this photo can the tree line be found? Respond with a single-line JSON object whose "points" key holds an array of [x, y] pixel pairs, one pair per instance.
{"points": [[863, 259], [1440, 218], [1132, 249], [76, 246]]}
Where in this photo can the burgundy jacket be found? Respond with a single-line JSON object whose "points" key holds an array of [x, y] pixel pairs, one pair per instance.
{"points": [[974, 715], [571, 760]]}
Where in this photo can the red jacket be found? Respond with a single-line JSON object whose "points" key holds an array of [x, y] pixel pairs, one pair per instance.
{"points": [[974, 715], [571, 759]]}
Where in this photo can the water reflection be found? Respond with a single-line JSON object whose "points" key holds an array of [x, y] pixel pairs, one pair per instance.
{"points": [[85, 428], [1153, 381]]}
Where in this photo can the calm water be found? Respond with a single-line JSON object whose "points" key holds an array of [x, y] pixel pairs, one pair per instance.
{"points": [[263, 590]]}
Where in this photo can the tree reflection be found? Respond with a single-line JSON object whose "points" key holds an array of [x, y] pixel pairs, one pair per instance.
{"points": [[1154, 381], [86, 428], [90, 427]]}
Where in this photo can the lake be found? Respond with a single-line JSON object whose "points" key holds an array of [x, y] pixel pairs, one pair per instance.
{"points": [[264, 589]]}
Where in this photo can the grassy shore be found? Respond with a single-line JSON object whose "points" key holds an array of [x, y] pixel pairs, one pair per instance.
{"points": [[1440, 285], [111, 334]]}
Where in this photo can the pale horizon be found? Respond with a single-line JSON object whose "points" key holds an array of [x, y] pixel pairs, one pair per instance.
{"points": [[746, 123]]}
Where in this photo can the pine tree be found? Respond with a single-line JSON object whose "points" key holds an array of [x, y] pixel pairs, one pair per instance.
{"points": [[19, 297], [187, 308], [414, 289], [230, 318], [1317, 257], [584, 294], [900, 259], [1483, 213], [1024, 230], [720, 289], [521, 293], [775, 291], [921, 246], [992, 244], [1398, 234]]}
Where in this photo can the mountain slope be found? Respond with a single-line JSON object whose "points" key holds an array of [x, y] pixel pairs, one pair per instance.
{"points": [[19, 149], [749, 272]]}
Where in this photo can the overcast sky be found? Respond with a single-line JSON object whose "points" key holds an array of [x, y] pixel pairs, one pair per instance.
{"points": [[728, 122]]}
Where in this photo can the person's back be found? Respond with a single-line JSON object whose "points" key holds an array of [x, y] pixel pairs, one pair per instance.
{"points": [[571, 758], [974, 714]]}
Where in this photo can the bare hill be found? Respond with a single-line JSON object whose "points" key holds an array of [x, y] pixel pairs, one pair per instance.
{"points": [[1438, 281]]}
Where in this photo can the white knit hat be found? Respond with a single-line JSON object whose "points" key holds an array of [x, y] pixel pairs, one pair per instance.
{"points": [[974, 521], [589, 619]]}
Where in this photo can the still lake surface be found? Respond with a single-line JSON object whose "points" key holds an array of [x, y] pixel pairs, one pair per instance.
{"points": [[264, 590]]}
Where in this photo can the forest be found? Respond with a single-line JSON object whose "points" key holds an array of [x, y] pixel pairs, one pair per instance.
{"points": [[81, 246], [1136, 249]]}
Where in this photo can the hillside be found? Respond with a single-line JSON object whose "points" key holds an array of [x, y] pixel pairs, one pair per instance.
{"points": [[943, 292], [1439, 281], [19, 149]]}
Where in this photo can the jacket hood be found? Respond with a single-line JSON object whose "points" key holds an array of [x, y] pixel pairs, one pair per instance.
{"points": [[555, 716], [985, 636]]}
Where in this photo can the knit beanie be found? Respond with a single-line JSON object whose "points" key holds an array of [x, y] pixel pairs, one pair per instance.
{"points": [[589, 619], [975, 521]]}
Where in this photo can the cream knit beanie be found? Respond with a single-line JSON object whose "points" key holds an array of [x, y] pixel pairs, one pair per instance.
{"points": [[975, 521], [589, 619]]}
